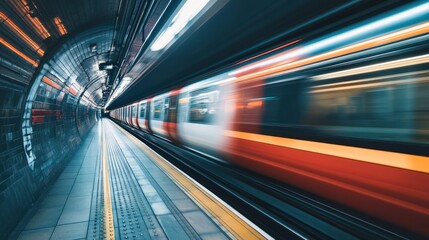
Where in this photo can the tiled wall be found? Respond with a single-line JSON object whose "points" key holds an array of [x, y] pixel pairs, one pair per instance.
{"points": [[86, 116], [55, 136], [17, 189]]}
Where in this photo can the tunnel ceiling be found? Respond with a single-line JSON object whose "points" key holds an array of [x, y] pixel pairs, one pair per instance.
{"points": [[78, 37], [89, 41], [78, 67], [225, 37], [237, 30], [74, 37]]}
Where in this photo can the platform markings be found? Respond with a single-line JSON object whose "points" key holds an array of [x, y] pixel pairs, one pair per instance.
{"points": [[109, 228], [231, 221]]}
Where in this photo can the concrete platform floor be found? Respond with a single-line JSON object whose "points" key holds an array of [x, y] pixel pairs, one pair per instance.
{"points": [[115, 187]]}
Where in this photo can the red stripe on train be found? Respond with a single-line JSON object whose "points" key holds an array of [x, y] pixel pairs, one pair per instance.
{"points": [[395, 195]]}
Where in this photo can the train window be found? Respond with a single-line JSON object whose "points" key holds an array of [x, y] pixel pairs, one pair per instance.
{"points": [[383, 110], [172, 111], [133, 111], [249, 103], [353, 108], [142, 110], [157, 106], [203, 105], [166, 105], [282, 103]]}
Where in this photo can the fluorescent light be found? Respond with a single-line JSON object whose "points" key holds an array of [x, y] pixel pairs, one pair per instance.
{"points": [[21, 33], [22, 7], [93, 48], [105, 66], [60, 26], [19, 53], [126, 79], [120, 88], [186, 13]]}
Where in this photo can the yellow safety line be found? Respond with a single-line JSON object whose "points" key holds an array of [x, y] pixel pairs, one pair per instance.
{"points": [[224, 216], [109, 228]]}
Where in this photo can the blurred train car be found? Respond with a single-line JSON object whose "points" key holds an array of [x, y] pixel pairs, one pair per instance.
{"points": [[203, 113], [142, 119], [159, 114], [343, 116], [133, 120]]}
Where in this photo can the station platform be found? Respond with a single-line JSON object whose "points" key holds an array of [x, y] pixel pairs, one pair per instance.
{"points": [[115, 187]]}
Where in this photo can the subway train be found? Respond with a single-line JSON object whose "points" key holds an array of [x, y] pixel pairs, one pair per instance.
{"points": [[344, 116]]}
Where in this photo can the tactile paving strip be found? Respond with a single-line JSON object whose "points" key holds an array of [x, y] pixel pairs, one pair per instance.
{"points": [[97, 229], [141, 207], [140, 169], [135, 218], [96, 214], [212, 219]]}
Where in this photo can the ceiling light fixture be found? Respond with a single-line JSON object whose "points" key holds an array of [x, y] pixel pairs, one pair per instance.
{"points": [[15, 50], [93, 48], [106, 66], [60, 26], [11, 25], [23, 8], [185, 14]]}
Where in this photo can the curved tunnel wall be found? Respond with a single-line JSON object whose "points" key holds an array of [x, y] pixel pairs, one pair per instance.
{"points": [[86, 116], [42, 124], [15, 180]]}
